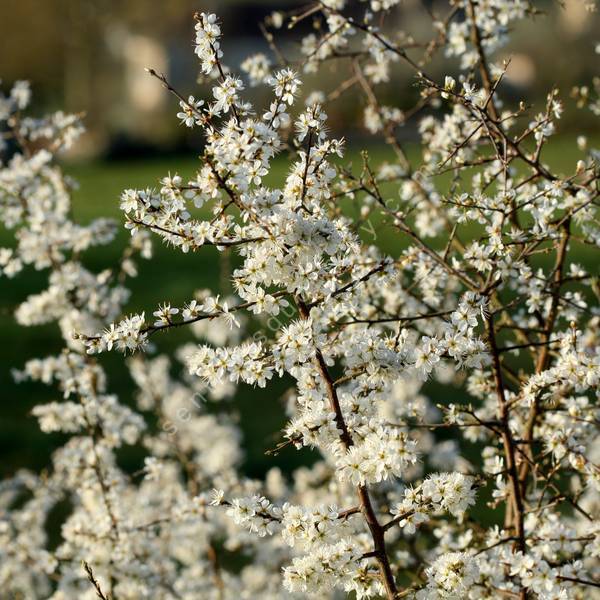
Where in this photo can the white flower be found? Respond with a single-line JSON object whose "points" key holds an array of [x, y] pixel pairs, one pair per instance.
{"points": [[452, 574], [190, 111], [257, 67], [226, 94]]}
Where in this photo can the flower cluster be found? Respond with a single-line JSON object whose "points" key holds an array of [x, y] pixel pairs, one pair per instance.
{"points": [[440, 492], [452, 575]]}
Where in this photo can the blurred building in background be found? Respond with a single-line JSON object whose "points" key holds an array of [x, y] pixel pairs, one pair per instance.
{"points": [[89, 55]]}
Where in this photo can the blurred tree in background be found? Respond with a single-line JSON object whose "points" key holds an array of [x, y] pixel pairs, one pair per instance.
{"points": [[89, 55]]}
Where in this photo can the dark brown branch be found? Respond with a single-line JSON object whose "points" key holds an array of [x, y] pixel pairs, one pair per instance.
{"points": [[94, 582]]}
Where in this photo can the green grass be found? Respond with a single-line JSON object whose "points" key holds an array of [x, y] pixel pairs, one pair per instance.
{"points": [[171, 276]]}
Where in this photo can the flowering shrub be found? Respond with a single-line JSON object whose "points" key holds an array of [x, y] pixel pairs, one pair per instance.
{"points": [[483, 297]]}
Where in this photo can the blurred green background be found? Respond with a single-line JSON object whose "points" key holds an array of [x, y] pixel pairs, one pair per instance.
{"points": [[89, 55]]}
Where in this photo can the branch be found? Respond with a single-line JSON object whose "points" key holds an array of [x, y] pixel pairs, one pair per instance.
{"points": [[94, 582]]}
